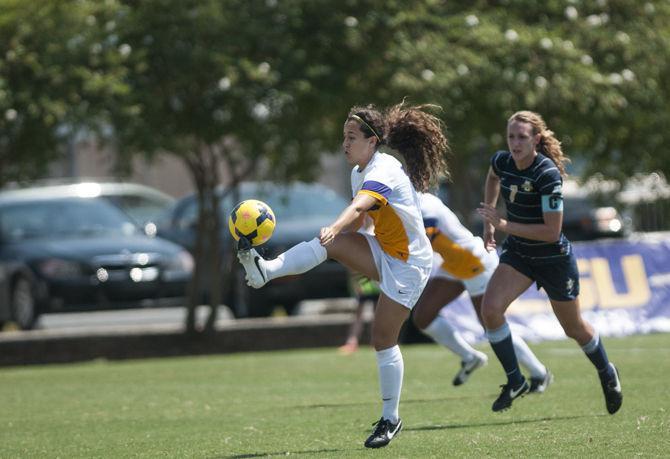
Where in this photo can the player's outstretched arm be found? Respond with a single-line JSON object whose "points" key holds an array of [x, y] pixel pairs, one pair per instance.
{"points": [[361, 203]]}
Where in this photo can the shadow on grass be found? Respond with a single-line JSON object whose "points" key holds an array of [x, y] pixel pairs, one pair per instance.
{"points": [[281, 453], [500, 423], [376, 402]]}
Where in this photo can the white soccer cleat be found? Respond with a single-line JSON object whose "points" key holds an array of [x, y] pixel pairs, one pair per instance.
{"points": [[538, 385], [467, 368], [254, 266]]}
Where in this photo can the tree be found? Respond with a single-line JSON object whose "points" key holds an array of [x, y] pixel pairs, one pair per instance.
{"points": [[595, 70], [250, 88], [60, 72]]}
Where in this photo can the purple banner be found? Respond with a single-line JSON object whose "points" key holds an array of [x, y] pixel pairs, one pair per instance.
{"points": [[624, 289]]}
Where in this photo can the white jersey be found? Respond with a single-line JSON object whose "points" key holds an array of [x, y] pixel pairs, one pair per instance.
{"points": [[398, 226], [462, 252]]}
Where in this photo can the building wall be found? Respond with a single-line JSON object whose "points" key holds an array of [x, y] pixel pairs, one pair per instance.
{"points": [[168, 173]]}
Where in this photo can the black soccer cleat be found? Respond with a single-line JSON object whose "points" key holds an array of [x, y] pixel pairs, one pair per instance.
{"points": [[539, 385], [612, 390], [508, 394], [384, 432]]}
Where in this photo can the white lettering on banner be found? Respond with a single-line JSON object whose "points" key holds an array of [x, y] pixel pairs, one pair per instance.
{"points": [[522, 306], [597, 287], [659, 280]]}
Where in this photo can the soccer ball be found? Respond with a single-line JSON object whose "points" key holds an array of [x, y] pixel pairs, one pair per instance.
{"points": [[252, 220]]}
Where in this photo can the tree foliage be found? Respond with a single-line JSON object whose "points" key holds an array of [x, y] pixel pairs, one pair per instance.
{"points": [[594, 69], [61, 68]]}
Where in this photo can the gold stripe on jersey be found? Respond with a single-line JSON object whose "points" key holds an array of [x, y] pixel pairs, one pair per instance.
{"points": [[390, 232], [377, 196], [458, 261]]}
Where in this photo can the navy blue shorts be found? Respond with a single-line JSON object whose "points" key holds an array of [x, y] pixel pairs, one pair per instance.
{"points": [[559, 278]]}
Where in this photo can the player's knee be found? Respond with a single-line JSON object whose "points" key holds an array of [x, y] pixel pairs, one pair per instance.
{"points": [[383, 339], [576, 331], [334, 249], [492, 313]]}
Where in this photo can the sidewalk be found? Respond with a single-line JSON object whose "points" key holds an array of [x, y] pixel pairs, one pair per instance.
{"points": [[166, 340]]}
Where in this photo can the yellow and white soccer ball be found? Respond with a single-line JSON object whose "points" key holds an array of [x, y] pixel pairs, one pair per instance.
{"points": [[253, 220]]}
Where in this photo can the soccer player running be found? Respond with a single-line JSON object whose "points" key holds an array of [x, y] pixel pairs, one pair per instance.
{"points": [[398, 255], [462, 263], [529, 177]]}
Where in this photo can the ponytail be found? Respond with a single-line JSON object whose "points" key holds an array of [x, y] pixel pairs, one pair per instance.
{"points": [[419, 138]]}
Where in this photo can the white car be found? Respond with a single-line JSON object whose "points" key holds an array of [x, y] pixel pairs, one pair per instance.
{"points": [[142, 203]]}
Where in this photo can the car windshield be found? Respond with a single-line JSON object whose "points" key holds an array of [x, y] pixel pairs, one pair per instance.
{"points": [[293, 202], [62, 218], [141, 209], [301, 201]]}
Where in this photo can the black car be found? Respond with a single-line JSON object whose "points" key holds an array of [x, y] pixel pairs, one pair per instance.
{"points": [[301, 211], [60, 254], [585, 219]]}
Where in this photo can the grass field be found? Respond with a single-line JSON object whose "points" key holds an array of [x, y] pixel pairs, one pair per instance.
{"points": [[315, 403]]}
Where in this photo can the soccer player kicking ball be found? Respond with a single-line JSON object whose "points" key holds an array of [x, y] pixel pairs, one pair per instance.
{"points": [[529, 176], [398, 255]]}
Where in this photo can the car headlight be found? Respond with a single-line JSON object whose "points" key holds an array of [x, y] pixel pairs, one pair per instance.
{"points": [[607, 219], [182, 262], [57, 268]]}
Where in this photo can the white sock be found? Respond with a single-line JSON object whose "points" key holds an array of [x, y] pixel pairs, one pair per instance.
{"points": [[391, 367], [298, 259], [527, 359], [443, 333]]}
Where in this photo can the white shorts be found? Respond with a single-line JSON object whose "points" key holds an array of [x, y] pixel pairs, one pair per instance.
{"points": [[475, 286], [400, 281]]}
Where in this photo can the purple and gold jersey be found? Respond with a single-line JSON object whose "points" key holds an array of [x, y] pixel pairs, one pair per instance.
{"points": [[461, 251], [398, 225]]}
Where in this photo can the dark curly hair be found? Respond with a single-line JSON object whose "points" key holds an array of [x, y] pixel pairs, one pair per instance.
{"points": [[414, 133], [371, 121]]}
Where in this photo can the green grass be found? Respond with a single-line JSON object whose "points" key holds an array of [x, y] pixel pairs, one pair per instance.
{"points": [[315, 403]]}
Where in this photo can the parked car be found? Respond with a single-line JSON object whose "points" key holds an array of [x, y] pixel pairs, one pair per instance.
{"points": [[301, 211], [585, 216], [589, 216], [61, 254], [142, 203]]}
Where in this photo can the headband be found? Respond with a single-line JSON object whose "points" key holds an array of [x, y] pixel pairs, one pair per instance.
{"points": [[362, 121]]}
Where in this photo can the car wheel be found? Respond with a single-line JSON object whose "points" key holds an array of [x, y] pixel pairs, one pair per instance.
{"points": [[260, 308], [24, 311], [247, 302], [240, 296], [291, 308]]}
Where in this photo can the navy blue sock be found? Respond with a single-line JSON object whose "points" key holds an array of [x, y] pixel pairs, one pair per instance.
{"points": [[595, 351], [501, 342]]}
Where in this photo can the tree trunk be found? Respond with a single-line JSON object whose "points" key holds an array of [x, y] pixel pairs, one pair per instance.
{"points": [[195, 165], [215, 281], [212, 269]]}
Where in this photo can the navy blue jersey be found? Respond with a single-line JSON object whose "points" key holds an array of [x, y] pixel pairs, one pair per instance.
{"points": [[524, 192]]}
